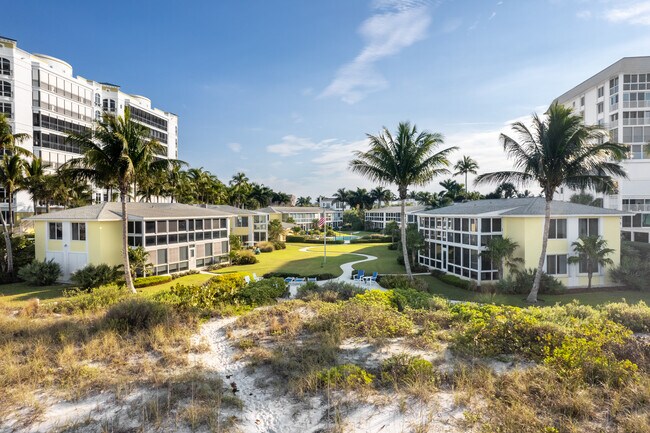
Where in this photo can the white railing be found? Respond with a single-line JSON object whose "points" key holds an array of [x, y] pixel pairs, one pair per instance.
{"points": [[636, 207]]}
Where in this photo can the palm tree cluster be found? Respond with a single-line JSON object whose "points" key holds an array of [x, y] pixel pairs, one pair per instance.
{"points": [[362, 199]]}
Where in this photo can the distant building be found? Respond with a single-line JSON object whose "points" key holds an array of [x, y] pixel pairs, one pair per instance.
{"points": [[618, 98], [457, 235], [336, 207], [41, 97], [250, 226], [302, 216], [378, 218], [178, 237]]}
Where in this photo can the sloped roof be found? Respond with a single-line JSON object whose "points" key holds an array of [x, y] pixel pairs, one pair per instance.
{"points": [[397, 209], [529, 206], [294, 209], [231, 209], [112, 211]]}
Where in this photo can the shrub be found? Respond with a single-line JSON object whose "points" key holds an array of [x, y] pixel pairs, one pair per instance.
{"points": [[346, 376], [40, 273], [455, 281], [393, 246], [215, 292], [235, 243], [176, 275], [263, 292], [154, 280], [407, 370], [266, 247], [23, 249], [82, 301], [243, 257], [136, 314], [279, 245], [329, 292], [402, 282], [416, 299], [372, 239], [522, 281], [635, 317], [321, 241], [93, 276], [280, 275], [634, 270], [296, 239]]}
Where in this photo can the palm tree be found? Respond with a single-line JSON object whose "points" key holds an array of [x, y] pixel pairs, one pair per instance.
{"points": [[239, 189], [380, 194], [453, 189], [501, 252], [111, 152], [12, 175], [408, 159], [303, 201], [35, 180], [464, 166], [342, 196], [592, 253], [360, 198], [559, 150], [281, 198]]}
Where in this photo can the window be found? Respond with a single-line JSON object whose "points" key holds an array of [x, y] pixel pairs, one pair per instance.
{"points": [[161, 227], [587, 227], [78, 231], [556, 264], [208, 249], [5, 88], [5, 66], [582, 101], [5, 108], [56, 231], [182, 252], [162, 256], [557, 229], [150, 226], [601, 91], [241, 221], [600, 107]]}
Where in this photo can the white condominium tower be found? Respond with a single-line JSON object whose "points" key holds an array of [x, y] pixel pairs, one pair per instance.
{"points": [[618, 98], [41, 97]]}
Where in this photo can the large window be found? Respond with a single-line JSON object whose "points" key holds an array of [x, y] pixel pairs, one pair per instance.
{"points": [[5, 108], [587, 227], [56, 231], [556, 264], [5, 66], [5, 88], [162, 256], [241, 221], [78, 231], [557, 229]]}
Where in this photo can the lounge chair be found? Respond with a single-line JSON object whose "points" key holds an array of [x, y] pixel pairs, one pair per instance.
{"points": [[374, 276], [256, 278], [359, 276], [312, 279], [247, 279], [289, 280], [299, 280]]}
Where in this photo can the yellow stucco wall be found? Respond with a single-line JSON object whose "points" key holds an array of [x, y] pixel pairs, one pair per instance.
{"points": [[104, 242], [40, 234]]}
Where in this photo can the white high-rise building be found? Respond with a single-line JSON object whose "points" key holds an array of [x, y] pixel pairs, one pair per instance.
{"points": [[618, 98], [41, 97]]}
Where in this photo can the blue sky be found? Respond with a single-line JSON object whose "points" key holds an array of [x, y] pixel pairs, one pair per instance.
{"points": [[286, 90]]}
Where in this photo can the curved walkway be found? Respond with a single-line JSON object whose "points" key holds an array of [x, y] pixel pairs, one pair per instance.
{"points": [[346, 276]]}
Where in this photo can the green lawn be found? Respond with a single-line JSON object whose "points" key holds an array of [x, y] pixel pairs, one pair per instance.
{"points": [[18, 294], [595, 298], [311, 262]]}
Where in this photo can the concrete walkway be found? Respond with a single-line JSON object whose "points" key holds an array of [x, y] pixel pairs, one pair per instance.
{"points": [[346, 276]]}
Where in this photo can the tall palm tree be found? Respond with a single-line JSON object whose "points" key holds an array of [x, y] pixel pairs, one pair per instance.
{"points": [[559, 150], [9, 141], [380, 195], [410, 158], [239, 189], [464, 166], [360, 198], [112, 151], [592, 252], [303, 201], [342, 195], [501, 252], [453, 189], [12, 175], [35, 180]]}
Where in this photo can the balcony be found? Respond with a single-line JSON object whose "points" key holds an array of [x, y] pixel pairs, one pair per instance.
{"points": [[636, 207]]}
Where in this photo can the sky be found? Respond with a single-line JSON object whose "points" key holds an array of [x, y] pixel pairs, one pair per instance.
{"points": [[287, 90]]}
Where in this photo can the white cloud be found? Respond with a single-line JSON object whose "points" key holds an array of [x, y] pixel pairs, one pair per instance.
{"points": [[395, 25], [636, 12], [235, 147], [494, 14], [584, 15], [292, 145]]}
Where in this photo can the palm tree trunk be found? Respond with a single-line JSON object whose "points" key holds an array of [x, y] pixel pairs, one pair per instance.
{"points": [[407, 265], [10, 254], [532, 297], [35, 213], [125, 244], [10, 213]]}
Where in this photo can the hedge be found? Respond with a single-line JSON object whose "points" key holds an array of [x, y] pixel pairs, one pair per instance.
{"points": [[455, 281], [295, 239], [381, 240], [154, 280], [319, 277], [320, 242]]}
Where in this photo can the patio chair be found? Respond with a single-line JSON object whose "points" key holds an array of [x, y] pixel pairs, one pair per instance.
{"points": [[289, 280], [255, 277], [312, 279], [359, 276], [299, 280], [374, 276], [247, 279]]}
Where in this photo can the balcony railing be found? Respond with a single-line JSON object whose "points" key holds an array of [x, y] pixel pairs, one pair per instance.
{"points": [[636, 207]]}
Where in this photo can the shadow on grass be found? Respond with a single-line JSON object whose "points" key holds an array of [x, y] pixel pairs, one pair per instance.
{"points": [[20, 292]]}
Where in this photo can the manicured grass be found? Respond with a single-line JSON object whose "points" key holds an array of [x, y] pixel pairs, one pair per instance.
{"points": [[311, 262], [594, 298], [17, 295]]}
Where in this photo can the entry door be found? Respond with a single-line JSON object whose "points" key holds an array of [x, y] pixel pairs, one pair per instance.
{"points": [[192, 257]]}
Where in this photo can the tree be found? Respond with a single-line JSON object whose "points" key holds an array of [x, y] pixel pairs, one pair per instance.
{"points": [[353, 218], [380, 195], [360, 199], [35, 181], [414, 241], [583, 198], [342, 196], [592, 252], [239, 189], [275, 230], [112, 151], [235, 243], [500, 251], [12, 175], [139, 261], [464, 166], [408, 159], [559, 150], [392, 229], [453, 189], [303, 201]]}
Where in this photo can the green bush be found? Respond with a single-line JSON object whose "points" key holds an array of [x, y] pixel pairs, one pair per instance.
{"points": [[281, 275], [412, 298], [455, 281], [415, 267], [39, 273], [634, 317], [176, 275], [407, 370], [372, 239], [321, 241], [329, 292], [299, 239], [266, 247], [24, 253], [93, 276], [82, 301], [263, 292], [153, 280], [393, 246], [279, 245], [243, 257], [137, 314], [522, 281], [346, 376], [402, 282]]}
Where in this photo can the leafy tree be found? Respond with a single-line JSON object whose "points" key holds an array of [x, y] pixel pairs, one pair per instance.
{"points": [[392, 229], [275, 230], [35, 181], [353, 218], [414, 241], [408, 159], [500, 251], [559, 150], [114, 151], [239, 189], [235, 243], [139, 261], [360, 199], [342, 195], [464, 166], [583, 198], [592, 253], [12, 175], [303, 201], [453, 190]]}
